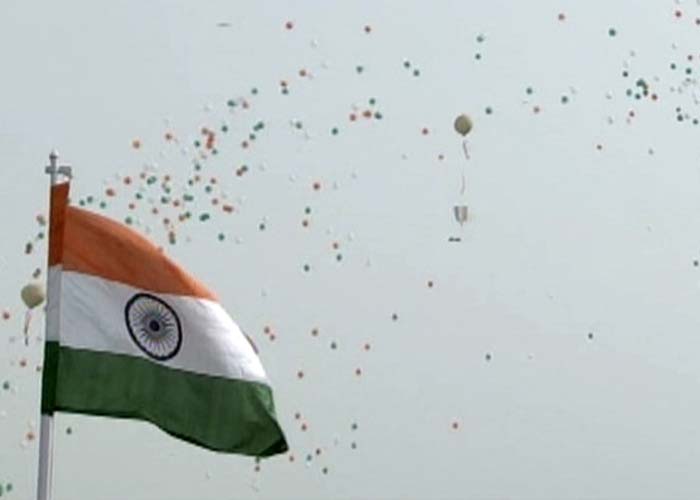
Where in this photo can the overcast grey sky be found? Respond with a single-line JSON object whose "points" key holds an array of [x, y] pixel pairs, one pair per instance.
{"points": [[565, 238]]}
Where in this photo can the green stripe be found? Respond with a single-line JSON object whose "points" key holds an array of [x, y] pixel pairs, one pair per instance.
{"points": [[48, 377], [221, 414]]}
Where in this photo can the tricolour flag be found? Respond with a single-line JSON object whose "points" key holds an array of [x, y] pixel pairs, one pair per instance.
{"points": [[130, 334]]}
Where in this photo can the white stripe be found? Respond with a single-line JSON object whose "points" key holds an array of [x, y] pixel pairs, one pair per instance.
{"points": [[92, 317], [53, 302]]}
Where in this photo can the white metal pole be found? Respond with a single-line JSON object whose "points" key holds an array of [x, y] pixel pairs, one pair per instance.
{"points": [[46, 428], [45, 458]]}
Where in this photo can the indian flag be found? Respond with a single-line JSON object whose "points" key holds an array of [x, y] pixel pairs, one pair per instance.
{"points": [[130, 334]]}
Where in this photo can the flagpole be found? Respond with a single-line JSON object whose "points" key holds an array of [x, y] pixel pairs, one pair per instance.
{"points": [[46, 428]]}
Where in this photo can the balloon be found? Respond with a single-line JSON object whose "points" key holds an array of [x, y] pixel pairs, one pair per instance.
{"points": [[463, 124], [33, 294]]}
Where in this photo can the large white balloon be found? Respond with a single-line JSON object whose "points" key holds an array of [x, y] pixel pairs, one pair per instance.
{"points": [[463, 124], [33, 294]]}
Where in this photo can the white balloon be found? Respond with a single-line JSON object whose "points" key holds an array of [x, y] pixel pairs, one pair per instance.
{"points": [[463, 125], [33, 294]]}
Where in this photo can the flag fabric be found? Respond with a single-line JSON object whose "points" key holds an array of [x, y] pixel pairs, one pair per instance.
{"points": [[130, 334]]}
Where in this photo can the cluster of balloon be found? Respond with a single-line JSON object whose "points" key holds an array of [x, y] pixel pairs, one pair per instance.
{"points": [[463, 125], [33, 295]]}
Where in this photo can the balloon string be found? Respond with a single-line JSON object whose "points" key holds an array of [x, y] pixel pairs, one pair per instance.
{"points": [[464, 148], [466, 155], [27, 320]]}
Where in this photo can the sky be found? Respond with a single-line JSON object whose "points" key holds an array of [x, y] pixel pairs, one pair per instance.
{"points": [[551, 353]]}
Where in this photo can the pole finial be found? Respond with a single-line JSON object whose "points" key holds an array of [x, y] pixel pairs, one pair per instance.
{"points": [[54, 170]]}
